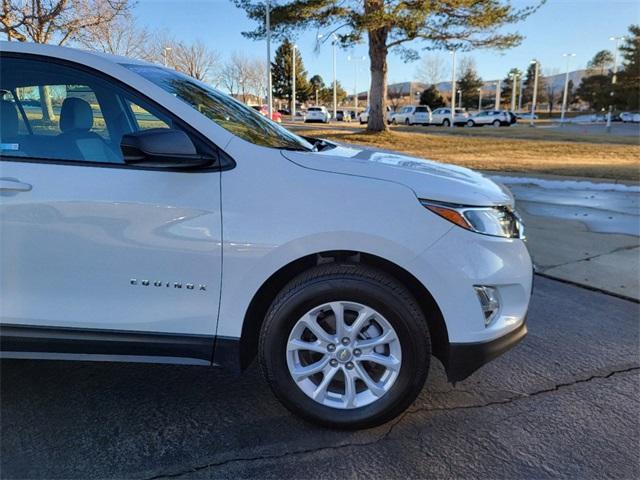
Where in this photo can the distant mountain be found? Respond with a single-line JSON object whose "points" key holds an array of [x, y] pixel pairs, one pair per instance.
{"points": [[405, 88]]}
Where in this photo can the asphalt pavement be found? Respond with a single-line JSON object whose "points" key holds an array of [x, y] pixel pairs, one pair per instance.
{"points": [[564, 403]]}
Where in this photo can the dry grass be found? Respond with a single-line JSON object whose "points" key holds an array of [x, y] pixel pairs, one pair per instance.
{"points": [[572, 133], [577, 159]]}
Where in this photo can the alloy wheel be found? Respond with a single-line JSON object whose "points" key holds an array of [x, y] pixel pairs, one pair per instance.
{"points": [[344, 355]]}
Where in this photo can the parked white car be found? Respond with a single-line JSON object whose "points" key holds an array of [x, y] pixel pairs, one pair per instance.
{"points": [[442, 116], [630, 117], [364, 115], [317, 114], [344, 268], [412, 115], [496, 118]]}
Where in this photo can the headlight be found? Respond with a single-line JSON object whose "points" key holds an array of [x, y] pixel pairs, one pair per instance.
{"points": [[501, 221]]}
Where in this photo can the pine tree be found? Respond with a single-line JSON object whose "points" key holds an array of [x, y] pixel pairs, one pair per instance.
{"points": [[506, 88], [431, 96], [281, 71], [468, 84], [529, 80], [394, 24], [627, 90]]}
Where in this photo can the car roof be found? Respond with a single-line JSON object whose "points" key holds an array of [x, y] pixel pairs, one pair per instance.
{"points": [[66, 53]]}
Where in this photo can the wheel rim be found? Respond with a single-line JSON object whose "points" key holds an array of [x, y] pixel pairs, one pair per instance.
{"points": [[344, 355]]}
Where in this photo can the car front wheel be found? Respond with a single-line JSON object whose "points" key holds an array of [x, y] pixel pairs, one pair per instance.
{"points": [[446, 123], [470, 123], [345, 346], [496, 123]]}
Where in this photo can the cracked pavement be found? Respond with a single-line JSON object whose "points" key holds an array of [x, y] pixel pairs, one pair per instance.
{"points": [[564, 403]]}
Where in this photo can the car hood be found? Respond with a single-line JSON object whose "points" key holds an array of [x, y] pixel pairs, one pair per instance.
{"points": [[429, 179]]}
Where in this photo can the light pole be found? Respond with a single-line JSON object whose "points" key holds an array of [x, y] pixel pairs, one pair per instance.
{"points": [[498, 93], [479, 99], [614, 77], [334, 39], [453, 87], [165, 55], [535, 91], [356, 61], [520, 93], [335, 79], [460, 98], [566, 87], [514, 77], [293, 82], [269, 86]]}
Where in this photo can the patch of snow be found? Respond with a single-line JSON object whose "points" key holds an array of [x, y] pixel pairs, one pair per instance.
{"points": [[566, 184]]}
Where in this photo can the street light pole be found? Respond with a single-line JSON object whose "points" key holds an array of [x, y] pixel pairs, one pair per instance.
{"points": [[293, 82], [460, 98], [269, 86], [614, 78], [335, 80], [498, 93], [480, 99], [356, 61], [514, 78], [165, 55], [453, 87], [566, 86], [535, 91]]}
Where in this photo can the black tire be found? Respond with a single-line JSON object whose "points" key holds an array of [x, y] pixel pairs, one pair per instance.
{"points": [[360, 284], [394, 121], [407, 122], [446, 122], [471, 123], [497, 123]]}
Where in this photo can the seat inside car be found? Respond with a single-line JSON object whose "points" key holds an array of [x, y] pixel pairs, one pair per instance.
{"points": [[77, 139], [8, 123]]}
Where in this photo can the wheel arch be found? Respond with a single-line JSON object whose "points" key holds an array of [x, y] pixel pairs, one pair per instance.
{"points": [[262, 299]]}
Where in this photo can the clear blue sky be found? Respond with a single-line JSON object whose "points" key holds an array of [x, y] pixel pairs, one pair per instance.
{"points": [[578, 26]]}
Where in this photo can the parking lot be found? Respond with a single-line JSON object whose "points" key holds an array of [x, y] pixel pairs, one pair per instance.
{"points": [[565, 403]]}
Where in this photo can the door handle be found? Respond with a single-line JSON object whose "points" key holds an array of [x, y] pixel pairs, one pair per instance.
{"points": [[13, 185]]}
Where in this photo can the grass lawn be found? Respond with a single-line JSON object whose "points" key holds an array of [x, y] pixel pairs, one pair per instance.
{"points": [[496, 150]]}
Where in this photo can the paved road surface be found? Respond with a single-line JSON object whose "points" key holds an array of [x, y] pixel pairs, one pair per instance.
{"points": [[565, 403]]}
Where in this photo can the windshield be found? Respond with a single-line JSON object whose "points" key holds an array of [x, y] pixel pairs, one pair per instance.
{"points": [[315, 109], [230, 114]]}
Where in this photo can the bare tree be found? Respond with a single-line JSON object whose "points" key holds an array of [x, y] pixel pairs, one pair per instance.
{"points": [[258, 78], [55, 21], [432, 69], [197, 60], [394, 95], [123, 36], [229, 78]]}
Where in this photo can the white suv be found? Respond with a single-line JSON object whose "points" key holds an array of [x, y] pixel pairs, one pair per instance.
{"points": [[152, 218], [442, 116], [317, 114], [364, 115], [496, 118], [412, 115]]}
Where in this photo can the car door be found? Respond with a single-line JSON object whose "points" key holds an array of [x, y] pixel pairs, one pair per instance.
{"points": [[100, 256]]}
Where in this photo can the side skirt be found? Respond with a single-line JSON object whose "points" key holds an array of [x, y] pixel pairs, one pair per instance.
{"points": [[61, 343]]}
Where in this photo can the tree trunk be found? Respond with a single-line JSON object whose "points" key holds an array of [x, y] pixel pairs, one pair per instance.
{"points": [[46, 104], [378, 59]]}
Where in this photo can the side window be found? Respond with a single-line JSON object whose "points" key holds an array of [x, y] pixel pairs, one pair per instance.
{"points": [[146, 120], [56, 112]]}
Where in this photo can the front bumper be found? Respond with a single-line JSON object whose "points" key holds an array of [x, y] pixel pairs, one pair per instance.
{"points": [[465, 358], [450, 269]]}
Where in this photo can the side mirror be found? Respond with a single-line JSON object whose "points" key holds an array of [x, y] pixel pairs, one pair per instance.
{"points": [[162, 148]]}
